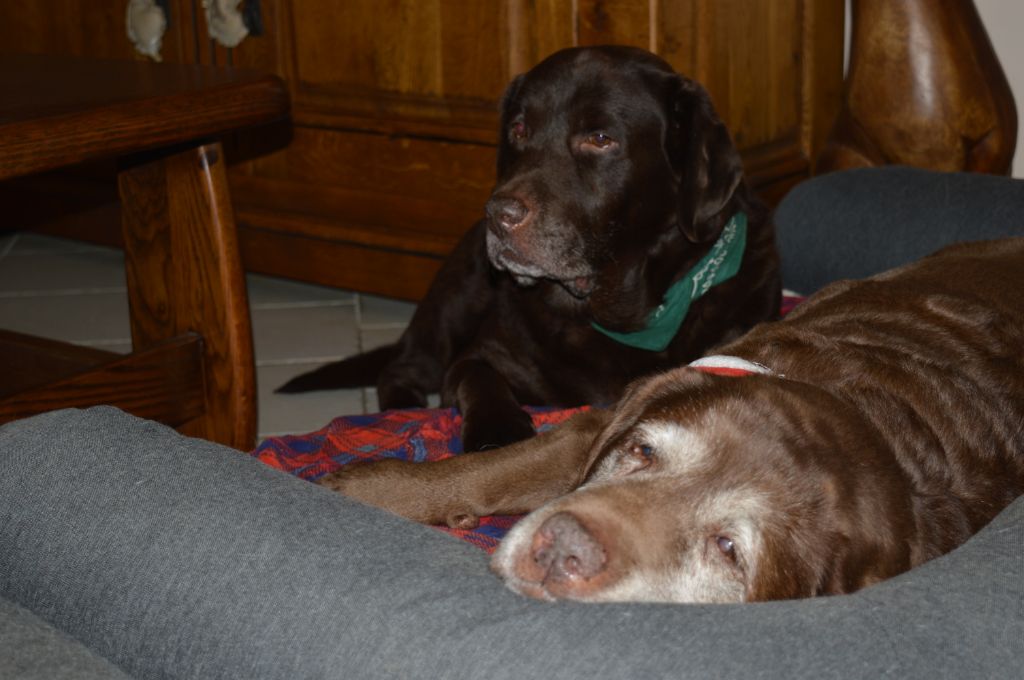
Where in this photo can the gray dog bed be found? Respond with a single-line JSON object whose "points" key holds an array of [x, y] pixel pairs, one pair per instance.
{"points": [[123, 542]]}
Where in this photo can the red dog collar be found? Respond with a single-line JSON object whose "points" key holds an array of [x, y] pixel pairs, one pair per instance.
{"points": [[730, 366]]}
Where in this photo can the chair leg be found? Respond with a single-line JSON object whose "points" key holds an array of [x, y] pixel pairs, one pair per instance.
{"points": [[185, 274]]}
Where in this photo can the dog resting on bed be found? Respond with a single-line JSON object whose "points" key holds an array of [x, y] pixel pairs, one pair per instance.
{"points": [[620, 239], [880, 425]]}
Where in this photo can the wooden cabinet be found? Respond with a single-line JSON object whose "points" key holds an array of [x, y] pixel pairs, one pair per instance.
{"points": [[390, 156]]}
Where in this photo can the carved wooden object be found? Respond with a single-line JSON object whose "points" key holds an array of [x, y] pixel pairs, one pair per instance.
{"points": [[925, 89]]}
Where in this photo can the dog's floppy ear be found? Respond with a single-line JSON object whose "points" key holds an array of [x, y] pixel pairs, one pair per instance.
{"points": [[705, 159]]}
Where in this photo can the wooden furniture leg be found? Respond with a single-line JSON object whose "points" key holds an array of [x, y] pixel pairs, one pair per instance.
{"points": [[185, 275]]}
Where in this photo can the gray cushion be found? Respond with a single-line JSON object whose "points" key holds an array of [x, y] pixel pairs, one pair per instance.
{"points": [[31, 649], [857, 223], [175, 557]]}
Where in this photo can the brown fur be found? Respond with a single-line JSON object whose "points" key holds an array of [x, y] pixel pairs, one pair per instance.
{"points": [[891, 430]]}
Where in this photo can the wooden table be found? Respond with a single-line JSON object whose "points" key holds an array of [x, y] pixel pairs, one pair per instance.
{"points": [[192, 360]]}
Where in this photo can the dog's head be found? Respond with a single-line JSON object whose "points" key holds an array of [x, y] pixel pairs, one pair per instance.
{"points": [[718, 489], [613, 171]]}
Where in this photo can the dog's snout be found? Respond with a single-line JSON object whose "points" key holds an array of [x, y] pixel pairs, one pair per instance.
{"points": [[563, 550], [507, 212]]}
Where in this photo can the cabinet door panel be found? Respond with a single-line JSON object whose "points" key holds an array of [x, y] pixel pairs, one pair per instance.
{"points": [[450, 181], [398, 63], [622, 22]]}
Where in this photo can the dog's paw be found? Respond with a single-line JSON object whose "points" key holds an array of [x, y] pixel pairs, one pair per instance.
{"points": [[493, 431]]}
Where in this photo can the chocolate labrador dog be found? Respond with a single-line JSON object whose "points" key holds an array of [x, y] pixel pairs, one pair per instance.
{"points": [[620, 239], [878, 426]]}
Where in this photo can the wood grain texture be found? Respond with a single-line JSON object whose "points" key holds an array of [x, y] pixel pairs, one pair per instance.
{"points": [[536, 28], [58, 111], [163, 383], [947, 104], [56, 27], [30, 361], [620, 22], [185, 275], [334, 262]]}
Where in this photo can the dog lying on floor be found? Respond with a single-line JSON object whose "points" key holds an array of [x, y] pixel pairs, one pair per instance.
{"points": [[620, 239], [878, 426]]}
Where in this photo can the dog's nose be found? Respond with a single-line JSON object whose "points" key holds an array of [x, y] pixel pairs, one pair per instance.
{"points": [[507, 212], [564, 550]]}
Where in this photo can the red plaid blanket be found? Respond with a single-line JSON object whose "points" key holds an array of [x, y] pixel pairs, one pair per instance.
{"points": [[416, 434]]}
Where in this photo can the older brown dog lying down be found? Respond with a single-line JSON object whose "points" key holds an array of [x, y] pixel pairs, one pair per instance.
{"points": [[879, 426]]}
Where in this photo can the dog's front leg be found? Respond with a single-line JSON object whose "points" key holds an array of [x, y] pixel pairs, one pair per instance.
{"points": [[491, 415], [458, 491]]}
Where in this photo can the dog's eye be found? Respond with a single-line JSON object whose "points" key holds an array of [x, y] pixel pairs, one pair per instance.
{"points": [[726, 546], [599, 140], [518, 131], [637, 457]]}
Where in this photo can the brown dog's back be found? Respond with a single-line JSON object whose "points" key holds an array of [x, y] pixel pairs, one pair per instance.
{"points": [[933, 354]]}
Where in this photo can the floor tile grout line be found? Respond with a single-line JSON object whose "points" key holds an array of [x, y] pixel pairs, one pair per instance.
{"points": [[54, 245], [23, 250]]}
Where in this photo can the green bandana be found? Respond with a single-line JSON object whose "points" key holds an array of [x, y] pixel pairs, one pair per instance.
{"points": [[720, 264]]}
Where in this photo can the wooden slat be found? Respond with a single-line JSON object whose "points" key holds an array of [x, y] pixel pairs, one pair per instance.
{"points": [[57, 111], [163, 383], [29, 361]]}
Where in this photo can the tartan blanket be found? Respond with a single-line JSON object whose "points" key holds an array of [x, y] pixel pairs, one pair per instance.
{"points": [[416, 434]]}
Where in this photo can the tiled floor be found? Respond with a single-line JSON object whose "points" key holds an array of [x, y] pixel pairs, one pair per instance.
{"points": [[75, 292]]}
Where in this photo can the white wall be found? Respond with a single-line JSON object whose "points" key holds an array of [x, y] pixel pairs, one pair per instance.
{"points": [[1004, 21]]}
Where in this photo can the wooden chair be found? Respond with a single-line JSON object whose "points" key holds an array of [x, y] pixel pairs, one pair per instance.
{"points": [[192, 361]]}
